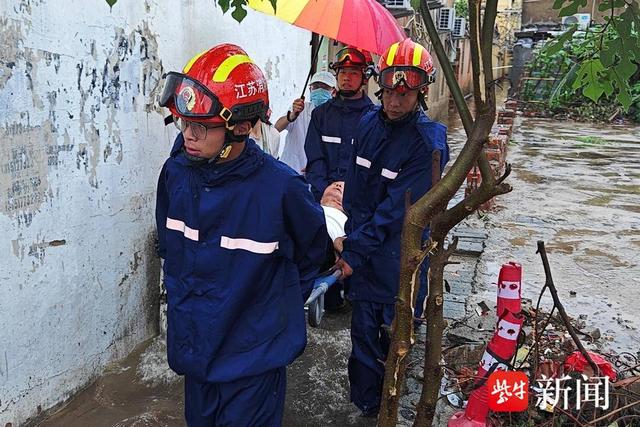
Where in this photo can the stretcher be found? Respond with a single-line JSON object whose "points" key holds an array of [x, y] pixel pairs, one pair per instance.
{"points": [[335, 220], [315, 303]]}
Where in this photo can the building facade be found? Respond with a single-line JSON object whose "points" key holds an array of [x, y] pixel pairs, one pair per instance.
{"points": [[82, 145]]}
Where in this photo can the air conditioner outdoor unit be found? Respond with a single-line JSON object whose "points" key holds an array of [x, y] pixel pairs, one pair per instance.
{"points": [[397, 4], [459, 27], [446, 16], [581, 19]]}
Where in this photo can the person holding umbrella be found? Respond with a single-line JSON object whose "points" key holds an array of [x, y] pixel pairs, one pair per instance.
{"points": [[329, 141], [297, 120], [242, 238], [393, 153]]}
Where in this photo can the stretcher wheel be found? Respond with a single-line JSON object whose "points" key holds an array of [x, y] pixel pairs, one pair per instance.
{"points": [[316, 310]]}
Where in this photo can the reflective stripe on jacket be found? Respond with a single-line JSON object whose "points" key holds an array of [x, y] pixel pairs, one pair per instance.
{"points": [[242, 243], [329, 141], [389, 158]]}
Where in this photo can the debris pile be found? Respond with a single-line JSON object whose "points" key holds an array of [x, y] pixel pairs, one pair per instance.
{"points": [[573, 379]]}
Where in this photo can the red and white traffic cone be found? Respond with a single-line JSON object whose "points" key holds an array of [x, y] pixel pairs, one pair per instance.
{"points": [[509, 288], [505, 339], [499, 351]]}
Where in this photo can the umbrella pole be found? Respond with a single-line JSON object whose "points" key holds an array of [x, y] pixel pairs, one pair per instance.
{"points": [[313, 61]]}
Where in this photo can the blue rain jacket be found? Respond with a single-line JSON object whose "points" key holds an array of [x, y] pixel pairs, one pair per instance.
{"points": [[242, 243], [389, 158], [329, 142]]}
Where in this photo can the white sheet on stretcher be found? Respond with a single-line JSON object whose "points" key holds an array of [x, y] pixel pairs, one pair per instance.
{"points": [[336, 220]]}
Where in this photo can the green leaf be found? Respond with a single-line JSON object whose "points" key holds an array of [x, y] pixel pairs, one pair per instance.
{"points": [[607, 86], [593, 90], [224, 5], [111, 2], [589, 74], [239, 12], [415, 4], [628, 36], [625, 69], [607, 56], [565, 82], [624, 98], [557, 4], [624, 23], [556, 45], [572, 8]]}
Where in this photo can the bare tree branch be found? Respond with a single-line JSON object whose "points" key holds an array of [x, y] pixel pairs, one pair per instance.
{"points": [[474, 38], [563, 314]]}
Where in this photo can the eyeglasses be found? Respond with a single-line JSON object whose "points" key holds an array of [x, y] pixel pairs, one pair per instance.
{"points": [[411, 77], [198, 130]]}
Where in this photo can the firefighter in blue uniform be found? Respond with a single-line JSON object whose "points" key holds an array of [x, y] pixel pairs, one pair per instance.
{"points": [[242, 238], [329, 142], [392, 154]]}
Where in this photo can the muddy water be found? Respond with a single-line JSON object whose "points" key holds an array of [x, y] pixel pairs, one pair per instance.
{"points": [[141, 391], [576, 187]]}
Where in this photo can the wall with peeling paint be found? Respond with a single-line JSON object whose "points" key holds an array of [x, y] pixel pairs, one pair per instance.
{"points": [[81, 145]]}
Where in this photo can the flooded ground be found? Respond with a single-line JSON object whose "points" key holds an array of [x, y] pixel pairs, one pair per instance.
{"points": [[141, 391], [576, 187]]}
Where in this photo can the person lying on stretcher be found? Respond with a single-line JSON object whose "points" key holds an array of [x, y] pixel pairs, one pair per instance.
{"points": [[334, 214], [336, 219]]}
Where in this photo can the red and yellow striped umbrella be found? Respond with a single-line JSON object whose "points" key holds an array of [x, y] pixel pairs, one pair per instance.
{"points": [[361, 23]]}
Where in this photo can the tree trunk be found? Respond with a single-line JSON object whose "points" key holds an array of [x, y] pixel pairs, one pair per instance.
{"points": [[429, 207], [433, 342], [402, 327]]}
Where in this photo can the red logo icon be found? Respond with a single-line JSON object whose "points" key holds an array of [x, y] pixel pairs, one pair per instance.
{"points": [[508, 391]]}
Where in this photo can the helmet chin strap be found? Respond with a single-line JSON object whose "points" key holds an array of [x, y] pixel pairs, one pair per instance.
{"points": [[347, 93], [422, 100], [422, 103], [229, 139]]}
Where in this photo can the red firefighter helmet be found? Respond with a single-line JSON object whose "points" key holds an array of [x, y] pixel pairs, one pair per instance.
{"points": [[221, 85], [350, 56], [407, 65], [354, 57]]}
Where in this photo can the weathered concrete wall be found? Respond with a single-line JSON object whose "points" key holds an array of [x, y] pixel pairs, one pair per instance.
{"points": [[81, 145]]}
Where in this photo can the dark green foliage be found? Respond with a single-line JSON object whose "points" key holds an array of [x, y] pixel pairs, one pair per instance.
{"points": [[462, 9], [585, 75], [607, 56]]}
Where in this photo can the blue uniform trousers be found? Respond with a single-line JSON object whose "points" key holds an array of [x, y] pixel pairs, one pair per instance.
{"points": [[370, 345], [256, 401]]}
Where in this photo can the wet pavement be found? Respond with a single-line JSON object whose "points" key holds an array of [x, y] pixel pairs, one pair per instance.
{"points": [[576, 186]]}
